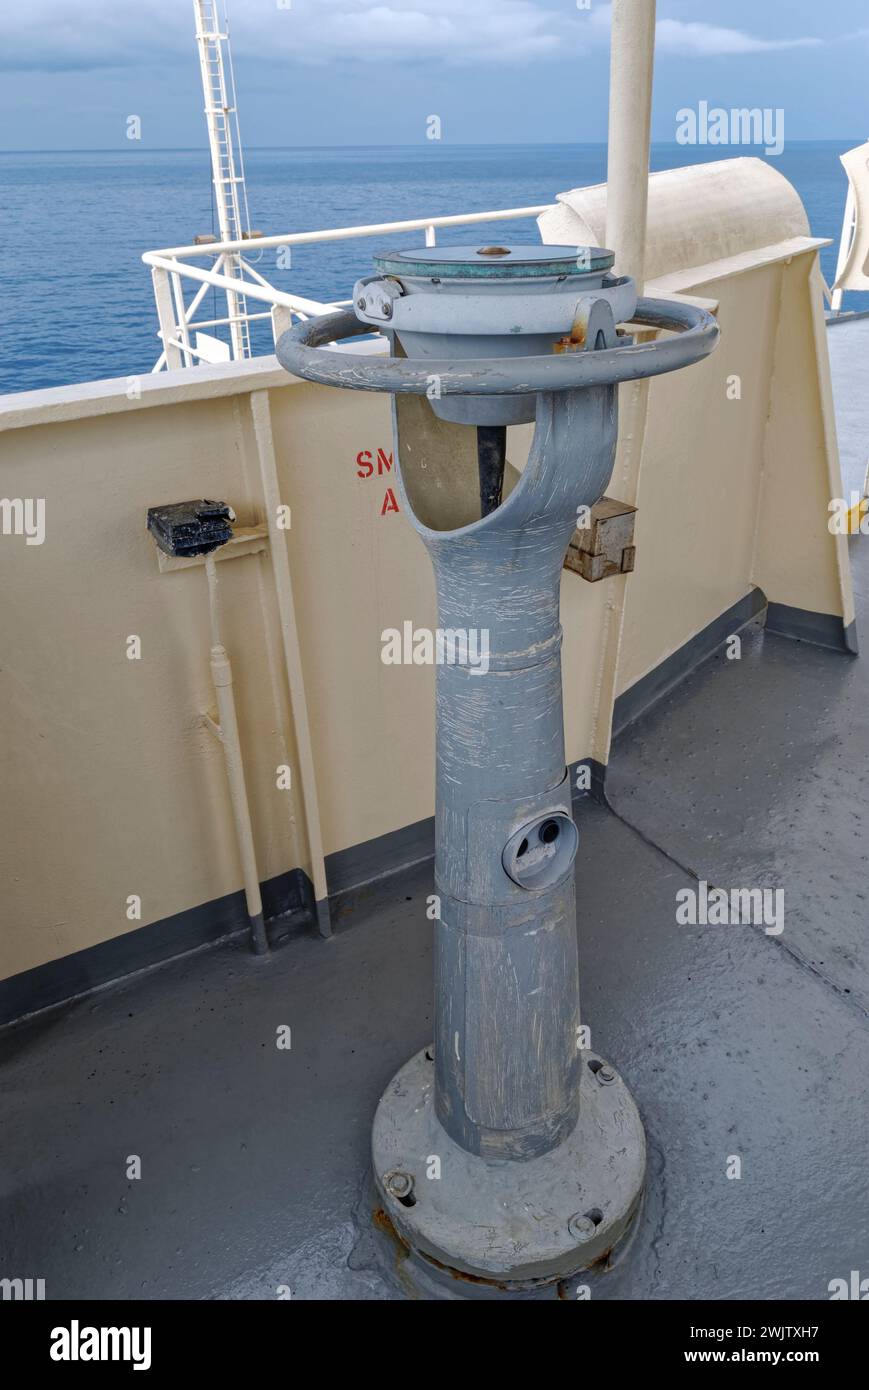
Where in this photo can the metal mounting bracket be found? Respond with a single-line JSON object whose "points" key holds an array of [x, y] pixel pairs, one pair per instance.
{"points": [[606, 546]]}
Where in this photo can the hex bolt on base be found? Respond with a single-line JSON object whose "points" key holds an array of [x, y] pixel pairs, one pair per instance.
{"points": [[513, 1225]]}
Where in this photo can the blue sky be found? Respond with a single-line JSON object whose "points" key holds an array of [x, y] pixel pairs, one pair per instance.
{"points": [[338, 72]]}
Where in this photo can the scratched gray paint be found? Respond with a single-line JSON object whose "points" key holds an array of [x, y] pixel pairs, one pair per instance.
{"points": [[507, 992], [302, 350]]}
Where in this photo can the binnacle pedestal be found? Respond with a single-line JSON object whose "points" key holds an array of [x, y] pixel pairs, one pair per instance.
{"points": [[541, 1148], [505, 1153]]}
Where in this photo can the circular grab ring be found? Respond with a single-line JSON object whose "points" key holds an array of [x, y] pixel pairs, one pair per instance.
{"points": [[301, 350]]}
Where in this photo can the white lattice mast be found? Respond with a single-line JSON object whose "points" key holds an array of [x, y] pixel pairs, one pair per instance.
{"points": [[227, 165]]}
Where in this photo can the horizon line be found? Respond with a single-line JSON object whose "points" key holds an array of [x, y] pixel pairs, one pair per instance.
{"points": [[130, 147]]}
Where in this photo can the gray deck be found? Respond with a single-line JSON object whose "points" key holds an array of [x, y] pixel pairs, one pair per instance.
{"points": [[751, 773]]}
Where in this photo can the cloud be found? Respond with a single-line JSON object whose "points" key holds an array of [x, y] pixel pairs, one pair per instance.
{"points": [[47, 36], [451, 31], [678, 36], [51, 35], [698, 39], [369, 33]]}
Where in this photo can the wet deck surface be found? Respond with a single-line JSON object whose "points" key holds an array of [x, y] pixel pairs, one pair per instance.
{"points": [[753, 773]]}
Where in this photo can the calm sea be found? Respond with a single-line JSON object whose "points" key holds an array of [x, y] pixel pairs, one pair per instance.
{"points": [[77, 299]]}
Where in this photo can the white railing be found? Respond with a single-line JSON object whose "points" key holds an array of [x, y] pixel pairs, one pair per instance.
{"points": [[239, 281]]}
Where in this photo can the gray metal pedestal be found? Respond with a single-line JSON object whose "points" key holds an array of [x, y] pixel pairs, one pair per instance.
{"points": [[504, 1155]]}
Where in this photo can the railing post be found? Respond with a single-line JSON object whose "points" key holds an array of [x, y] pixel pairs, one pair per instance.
{"points": [[181, 319], [282, 321], [166, 317]]}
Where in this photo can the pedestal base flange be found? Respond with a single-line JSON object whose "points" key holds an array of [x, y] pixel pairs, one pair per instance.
{"points": [[514, 1225]]}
